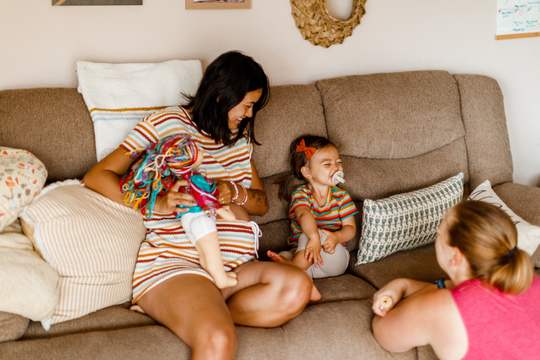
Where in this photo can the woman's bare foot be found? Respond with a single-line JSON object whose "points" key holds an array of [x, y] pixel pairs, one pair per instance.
{"points": [[275, 257]]}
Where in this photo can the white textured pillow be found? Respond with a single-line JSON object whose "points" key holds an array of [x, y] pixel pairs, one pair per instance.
{"points": [[22, 176], [528, 234], [118, 96], [29, 284], [406, 221], [91, 241]]}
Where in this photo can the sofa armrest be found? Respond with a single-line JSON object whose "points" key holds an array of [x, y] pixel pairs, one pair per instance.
{"points": [[525, 201], [522, 199]]}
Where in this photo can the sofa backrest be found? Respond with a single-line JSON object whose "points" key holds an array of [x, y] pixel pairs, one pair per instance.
{"points": [[397, 132], [54, 125]]}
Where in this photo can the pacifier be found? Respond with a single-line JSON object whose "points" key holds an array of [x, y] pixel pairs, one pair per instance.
{"points": [[338, 177]]}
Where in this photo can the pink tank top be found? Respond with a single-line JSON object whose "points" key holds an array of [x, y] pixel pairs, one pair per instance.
{"points": [[499, 325]]}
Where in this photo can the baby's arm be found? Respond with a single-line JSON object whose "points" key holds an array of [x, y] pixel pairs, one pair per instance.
{"points": [[307, 222], [346, 233]]}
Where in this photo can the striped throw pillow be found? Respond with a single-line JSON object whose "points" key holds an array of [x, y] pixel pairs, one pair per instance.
{"points": [[91, 241], [406, 221], [118, 96]]}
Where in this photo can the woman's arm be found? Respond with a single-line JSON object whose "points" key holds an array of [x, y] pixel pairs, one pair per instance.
{"points": [[104, 177], [415, 321], [256, 202]]}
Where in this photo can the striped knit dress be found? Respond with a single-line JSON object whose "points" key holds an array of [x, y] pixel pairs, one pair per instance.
{"points": [[166, 251]]}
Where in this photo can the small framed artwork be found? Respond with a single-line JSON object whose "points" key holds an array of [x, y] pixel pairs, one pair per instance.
{"points": [[95, 2], [218, 4]]}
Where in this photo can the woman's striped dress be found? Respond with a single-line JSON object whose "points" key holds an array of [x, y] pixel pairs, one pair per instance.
{"points": [[166, 251]]}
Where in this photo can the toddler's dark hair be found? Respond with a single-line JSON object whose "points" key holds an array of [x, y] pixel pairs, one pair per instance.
{"points": [[298, 159]]}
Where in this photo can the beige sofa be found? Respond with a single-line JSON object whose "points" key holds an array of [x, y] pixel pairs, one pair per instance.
{"points": [[397, 132]]}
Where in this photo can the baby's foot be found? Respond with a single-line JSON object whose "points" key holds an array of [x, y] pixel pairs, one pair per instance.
{"points": [[225, 280]]}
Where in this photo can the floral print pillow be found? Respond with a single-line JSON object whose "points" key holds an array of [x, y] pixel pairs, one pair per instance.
{"points": [[22, 176]]}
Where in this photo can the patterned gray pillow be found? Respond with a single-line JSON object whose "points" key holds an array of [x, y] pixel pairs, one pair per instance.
{"points": [[406, 221]]}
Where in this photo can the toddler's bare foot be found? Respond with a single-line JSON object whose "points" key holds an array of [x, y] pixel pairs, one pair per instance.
{"points": [[315, 294], [279, 258], [225, 280]]}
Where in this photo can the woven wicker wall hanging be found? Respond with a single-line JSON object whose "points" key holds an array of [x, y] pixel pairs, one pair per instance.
{"points": [[319, 27]]}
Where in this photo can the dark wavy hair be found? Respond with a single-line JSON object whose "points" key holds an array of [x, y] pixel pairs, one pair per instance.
{"points": [[297, 160], [224, 85]]}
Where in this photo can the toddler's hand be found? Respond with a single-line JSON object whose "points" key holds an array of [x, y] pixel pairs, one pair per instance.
{"points": [[329, 241], [312, 252]]}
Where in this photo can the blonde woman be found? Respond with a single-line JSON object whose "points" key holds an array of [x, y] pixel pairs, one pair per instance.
{"points": [[489, 309]]}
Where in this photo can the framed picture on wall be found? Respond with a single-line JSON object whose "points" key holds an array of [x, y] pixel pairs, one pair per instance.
{"points": [[95, 2], [218, 4]]}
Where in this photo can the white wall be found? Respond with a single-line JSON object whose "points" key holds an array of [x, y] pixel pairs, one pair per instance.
{"points": [[41, 43]]}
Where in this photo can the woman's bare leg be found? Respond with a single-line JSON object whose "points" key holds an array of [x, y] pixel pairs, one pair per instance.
{"points": [[268, 294], [193, 308], [278, 258]]}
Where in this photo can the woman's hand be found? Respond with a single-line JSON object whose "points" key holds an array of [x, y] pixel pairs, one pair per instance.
{"points": [[388, 296], [226, 192], [330, 241], [312, 253], [171, 201]]}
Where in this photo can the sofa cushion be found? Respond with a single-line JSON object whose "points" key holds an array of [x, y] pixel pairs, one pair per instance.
{"points": [[334, 330], [420, 264], [378, 178], [343, 287], [406, 221], [292, 111], [12, 326], [111, 318], [488, 147], [23, 114], [137, 343], [22, 176], [394, 115], [91, 241]]}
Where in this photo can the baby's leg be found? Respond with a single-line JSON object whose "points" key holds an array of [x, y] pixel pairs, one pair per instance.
{"points": [[333, 264], [210, 256], [201, 230], [299, 260]]}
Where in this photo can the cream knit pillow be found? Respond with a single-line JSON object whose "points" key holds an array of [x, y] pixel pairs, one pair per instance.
{"points": [[91, 241], [28, 284], [22, 176]]}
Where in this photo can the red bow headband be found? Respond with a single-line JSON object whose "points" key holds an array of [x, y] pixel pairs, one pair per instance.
{"points": [[307, 150]]}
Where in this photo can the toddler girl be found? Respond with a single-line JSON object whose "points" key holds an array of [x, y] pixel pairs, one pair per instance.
{"points": [[321, 213], [156, 172]]}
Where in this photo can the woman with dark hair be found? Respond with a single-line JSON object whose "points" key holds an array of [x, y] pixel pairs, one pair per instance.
{"points": [[489, 307], [169, 283]]}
